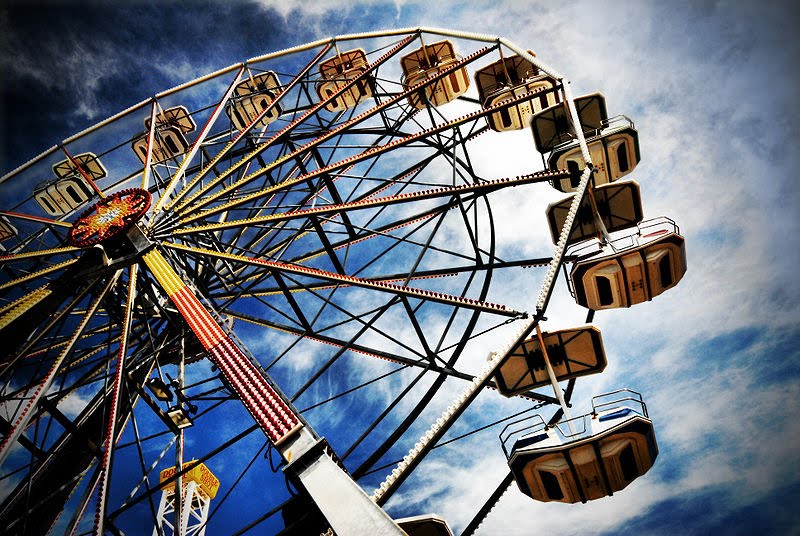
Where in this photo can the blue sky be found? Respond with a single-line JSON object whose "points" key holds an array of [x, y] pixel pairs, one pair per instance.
{"points": [[710, 86]]}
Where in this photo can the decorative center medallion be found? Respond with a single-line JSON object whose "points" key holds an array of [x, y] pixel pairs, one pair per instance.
{"points": [[109, 217]]}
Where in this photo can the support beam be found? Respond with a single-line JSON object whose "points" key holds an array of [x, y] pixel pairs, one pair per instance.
{"points": [[345, 505]]}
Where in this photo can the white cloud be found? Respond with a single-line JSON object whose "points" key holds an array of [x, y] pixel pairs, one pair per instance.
{"points": [[319, 9]]}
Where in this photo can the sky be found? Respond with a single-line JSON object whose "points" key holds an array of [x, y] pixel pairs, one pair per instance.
{"points": [[710, 87]]}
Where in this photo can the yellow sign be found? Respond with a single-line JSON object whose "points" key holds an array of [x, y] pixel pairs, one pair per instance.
{"points": [[199, 473]]}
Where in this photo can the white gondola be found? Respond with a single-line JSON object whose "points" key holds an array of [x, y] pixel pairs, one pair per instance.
{"points": [[339, 71], [619, 206], [61, 196], [428, 62], [70, 189], [571, 352], [512, 77], [631, 269], [251, 96], [586, 457], [6, 229], [425, 525], [172, 125], [614, 150], [613, 142]]}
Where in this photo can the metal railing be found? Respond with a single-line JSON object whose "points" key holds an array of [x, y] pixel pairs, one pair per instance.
{"points": [[575, 428]]}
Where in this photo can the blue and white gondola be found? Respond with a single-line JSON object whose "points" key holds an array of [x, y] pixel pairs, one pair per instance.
{"points": [[586, 457]]}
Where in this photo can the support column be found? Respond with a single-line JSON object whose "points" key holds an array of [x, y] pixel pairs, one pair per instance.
{"points": [[348, 509]]}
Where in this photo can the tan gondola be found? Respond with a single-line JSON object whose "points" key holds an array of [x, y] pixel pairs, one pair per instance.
{"points": [[613, 143], [614, 150], [172, 125], [551, 126], [70, 189], [584, 458], [572, 353], [339, 71], [428, 62], [252, 96], [425, 525], [631, 269], [619, 206], [511, 77]]}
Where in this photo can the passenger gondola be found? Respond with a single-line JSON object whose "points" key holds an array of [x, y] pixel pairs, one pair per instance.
{"points": [[252, 96], [512, 77], [631, 269], [170, 141], [619, 207], [337, 72], [427, 62], [70, 189], [613, 142], [571, 352], [586, 457], [552, 126]]}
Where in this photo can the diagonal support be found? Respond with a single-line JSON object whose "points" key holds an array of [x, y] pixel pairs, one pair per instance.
{"points": [[309, 458]]}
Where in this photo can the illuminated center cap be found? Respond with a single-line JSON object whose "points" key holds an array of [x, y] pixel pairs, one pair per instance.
{"points": [[109, 217]]}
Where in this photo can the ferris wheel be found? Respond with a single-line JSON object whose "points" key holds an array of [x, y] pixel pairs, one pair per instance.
{"points": [[194, 289]]}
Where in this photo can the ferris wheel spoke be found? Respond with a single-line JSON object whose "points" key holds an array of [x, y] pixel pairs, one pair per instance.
{"points": [[242, 134], [140, 457], [352, 281], [298, 311], [151, 138], [365, 233], [71, 454], [349, 318], [335, 132], [304, 231], [447, 191], [77, 166], [24, 416], [38, 219], [253, 279], [369, 153], [26, 304], [424, 400], [37, 274], [317, 336], [312, 112], [92, 374], [38, 253], [493, 264], [57, 393], [189, 156], [105, 465], [83, 503]]}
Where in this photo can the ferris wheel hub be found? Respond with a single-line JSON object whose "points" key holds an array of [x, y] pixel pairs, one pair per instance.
{"points": [[109, 217]]}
